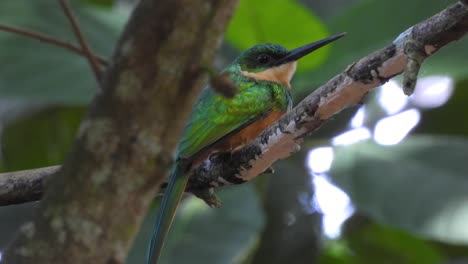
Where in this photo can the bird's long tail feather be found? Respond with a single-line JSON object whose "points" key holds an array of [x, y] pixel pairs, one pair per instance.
{"points": [[172, 196]]}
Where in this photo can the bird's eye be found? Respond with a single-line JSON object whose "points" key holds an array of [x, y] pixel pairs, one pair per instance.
{"points": [[263, 58]]}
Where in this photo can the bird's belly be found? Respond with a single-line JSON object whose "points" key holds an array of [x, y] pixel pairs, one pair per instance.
{"points": [[227, 144], [239, 138], [248, 133]]}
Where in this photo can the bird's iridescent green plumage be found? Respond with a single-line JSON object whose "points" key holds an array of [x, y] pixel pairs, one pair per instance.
{"points": [[214, 116], [261, 75]]}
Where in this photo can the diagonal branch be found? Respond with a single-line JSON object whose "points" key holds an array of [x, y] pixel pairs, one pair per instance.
{"points": [[47, 39], [346, 89], [81, 39]]}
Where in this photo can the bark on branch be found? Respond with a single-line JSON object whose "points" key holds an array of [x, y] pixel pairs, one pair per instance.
{"points": [[93, 206], [24, 186], [346, 89]]}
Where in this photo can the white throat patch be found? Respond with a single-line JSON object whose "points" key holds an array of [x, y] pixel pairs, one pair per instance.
{"points": [[280, 74]]}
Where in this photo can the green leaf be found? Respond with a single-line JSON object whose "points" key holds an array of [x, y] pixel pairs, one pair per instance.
{"points": [[208, 235], [35, 70], [373, 242], [366, 242], [284, 22], [420, 185], [39, 139]]}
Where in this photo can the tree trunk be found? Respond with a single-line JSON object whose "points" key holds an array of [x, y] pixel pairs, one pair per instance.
{"points": [[93, 206]]}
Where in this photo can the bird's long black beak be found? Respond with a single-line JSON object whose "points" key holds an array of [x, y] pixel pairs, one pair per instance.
{"points": [[300, 52]]}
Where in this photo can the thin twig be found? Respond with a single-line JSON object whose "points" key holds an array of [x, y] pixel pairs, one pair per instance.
{"points": [[81, 39], [50, 40]]}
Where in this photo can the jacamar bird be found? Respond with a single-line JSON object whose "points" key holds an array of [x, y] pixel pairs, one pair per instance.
{"points": [[262, 76]]}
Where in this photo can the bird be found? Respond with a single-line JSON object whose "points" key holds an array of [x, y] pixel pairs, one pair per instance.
{"points": [[261, 76]]}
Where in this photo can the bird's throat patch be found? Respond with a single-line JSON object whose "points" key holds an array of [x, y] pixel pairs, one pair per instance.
{"points": [[280, 74]]}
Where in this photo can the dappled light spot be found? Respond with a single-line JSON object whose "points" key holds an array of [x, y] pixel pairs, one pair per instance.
{"points": [[330, 200], [319, 159], [391, 97], [351, 136], [358, 118], [433, 91], [333, 203], [393, 129]]}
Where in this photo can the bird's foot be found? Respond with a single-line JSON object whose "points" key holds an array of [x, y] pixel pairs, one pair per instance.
{"points": [[208, 195]]}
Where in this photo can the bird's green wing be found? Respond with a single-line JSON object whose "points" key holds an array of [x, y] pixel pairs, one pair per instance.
{"points": [[215, 116]]}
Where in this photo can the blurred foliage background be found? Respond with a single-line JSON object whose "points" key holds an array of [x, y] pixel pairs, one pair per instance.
{"points": [[383, 183]]}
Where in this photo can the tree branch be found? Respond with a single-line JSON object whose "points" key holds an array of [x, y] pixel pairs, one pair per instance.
{"points": [[81, 39], [47, 39], [24, 186], [346, 89], [93, 206]]}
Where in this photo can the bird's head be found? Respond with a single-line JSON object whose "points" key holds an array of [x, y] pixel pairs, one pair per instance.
{"points": [[274, 63]]}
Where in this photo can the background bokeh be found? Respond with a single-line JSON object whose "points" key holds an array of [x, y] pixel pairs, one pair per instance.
{"points": [[386, 182]]}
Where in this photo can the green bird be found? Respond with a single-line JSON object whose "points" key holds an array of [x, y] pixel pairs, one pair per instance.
{"points": [[262, 76]]}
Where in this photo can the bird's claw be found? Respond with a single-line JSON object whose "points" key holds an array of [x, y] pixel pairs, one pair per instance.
{"points": [[209, 197]]}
